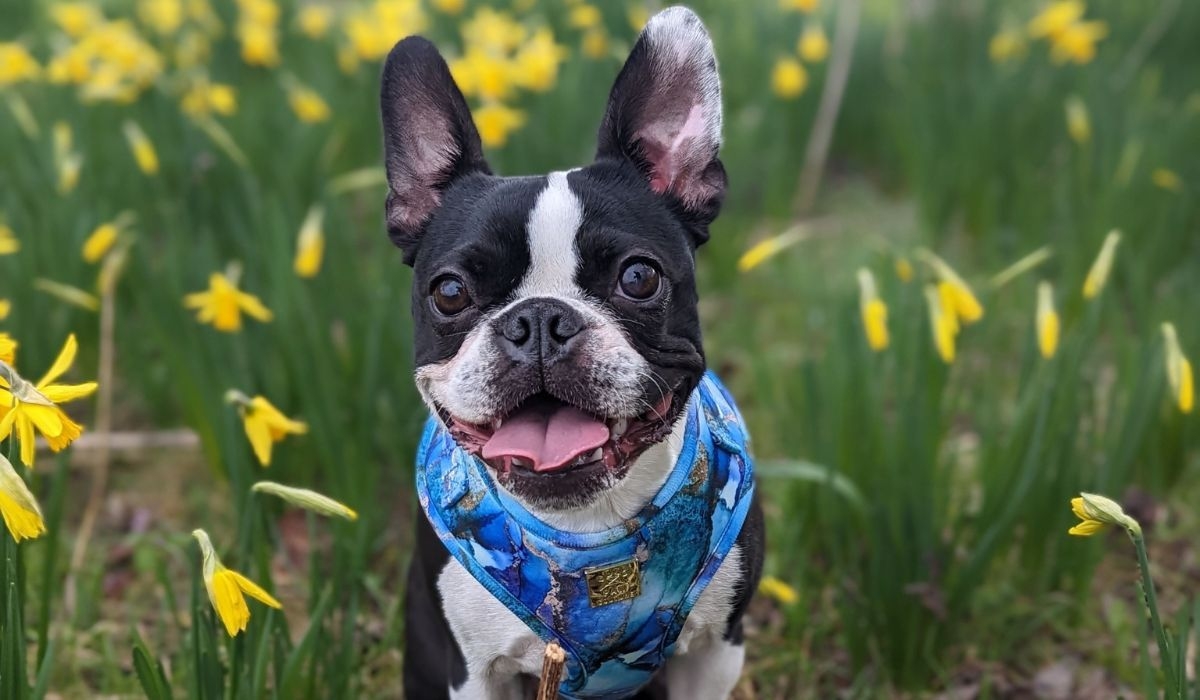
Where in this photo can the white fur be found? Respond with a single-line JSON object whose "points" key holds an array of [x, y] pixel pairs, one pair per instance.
{"points": [[553, 254], [678, 39]]}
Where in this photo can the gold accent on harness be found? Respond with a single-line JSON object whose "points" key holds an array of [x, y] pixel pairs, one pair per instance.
{"points": [[613, 583]]}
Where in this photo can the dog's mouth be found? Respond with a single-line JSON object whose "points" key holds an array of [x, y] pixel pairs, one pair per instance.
{"points": [[544, 435]]}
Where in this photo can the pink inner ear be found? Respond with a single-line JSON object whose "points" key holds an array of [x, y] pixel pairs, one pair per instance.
{"points": [[666, 160]]}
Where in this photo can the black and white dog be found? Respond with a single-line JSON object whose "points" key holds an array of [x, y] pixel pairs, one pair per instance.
{"points": [[546, 309]]}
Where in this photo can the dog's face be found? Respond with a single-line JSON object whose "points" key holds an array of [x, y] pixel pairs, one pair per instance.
{"points": [[556, 332]]}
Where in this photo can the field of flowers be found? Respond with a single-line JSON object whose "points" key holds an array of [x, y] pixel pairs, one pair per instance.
{"points": [[954, 287]]}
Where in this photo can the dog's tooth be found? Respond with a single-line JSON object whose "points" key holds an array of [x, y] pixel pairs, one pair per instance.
{"points": [[523, 463], [619, 427], [596, 455]]}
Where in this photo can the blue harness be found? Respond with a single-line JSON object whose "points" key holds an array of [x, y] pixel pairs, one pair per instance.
{"points": [[615, 600]]}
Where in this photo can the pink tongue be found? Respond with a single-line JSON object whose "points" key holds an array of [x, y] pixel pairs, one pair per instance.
{"points": [[549, 435]]}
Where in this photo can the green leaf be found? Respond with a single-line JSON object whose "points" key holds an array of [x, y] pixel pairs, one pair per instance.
{"points": [[800, 470]]}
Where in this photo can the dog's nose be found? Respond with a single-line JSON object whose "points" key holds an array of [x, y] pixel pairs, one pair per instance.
{"points": [[539, 330]]}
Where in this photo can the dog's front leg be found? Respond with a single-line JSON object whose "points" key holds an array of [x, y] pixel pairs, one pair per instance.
{"points": [[707, 672]]}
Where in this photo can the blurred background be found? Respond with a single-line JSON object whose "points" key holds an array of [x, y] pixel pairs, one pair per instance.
{"points": [[895, 292]]}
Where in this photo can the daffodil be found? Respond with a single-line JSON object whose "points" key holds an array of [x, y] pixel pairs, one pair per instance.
{"points": [[1047, 321], [27, 406], [205, 98], [1097, 276], [449, 7], [8, 240], [584, 16], [5, 309], [18, 507], [1006, 45], [873, 310], [1055, 18], [143, 150], [68, 163], [595, 43], [942, 324], [813, 46], [265, 425], [17, 65], [310, 243], [496, 121], [1179, 370], [806, 6], [904, 269], [962, 301], [105, 236], [1167, 180], [535, 66], [1096, 511], [223, 304], [8, 348], [1077, 43], [75, 18], [482, 74], [493, 31], [309, 107], [768, 248], [309, 500], [788, 78], [1079, 125], [314, 20], [227, 589], [260, 44], [778, 590], [163, 16]]}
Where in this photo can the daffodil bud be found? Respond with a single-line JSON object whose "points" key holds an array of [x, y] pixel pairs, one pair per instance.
{"points": [[307, 499], [1097, 276], [1105, 510]]}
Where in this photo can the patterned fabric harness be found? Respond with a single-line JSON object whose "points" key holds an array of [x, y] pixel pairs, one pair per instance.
{"points": [[614, 600]]}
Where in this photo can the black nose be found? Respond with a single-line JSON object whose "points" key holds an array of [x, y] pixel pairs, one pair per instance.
{"points": [[539, 330]]}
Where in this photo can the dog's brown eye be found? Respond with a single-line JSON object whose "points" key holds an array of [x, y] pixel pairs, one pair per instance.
{"points": [[640, 280], [450, 295]]}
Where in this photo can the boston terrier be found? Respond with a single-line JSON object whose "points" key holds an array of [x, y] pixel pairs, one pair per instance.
{"points": [[583, 479]]}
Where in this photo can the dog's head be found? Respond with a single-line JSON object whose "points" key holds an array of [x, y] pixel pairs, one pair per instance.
{"points": [[556, 332]]}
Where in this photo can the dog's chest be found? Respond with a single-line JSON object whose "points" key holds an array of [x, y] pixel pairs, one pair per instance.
{"points": [[495, 641]]}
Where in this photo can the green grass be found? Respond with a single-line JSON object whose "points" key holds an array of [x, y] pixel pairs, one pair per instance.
{"points": [[919, 508]]}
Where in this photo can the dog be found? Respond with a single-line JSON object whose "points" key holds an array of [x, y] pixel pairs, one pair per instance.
{"points": [[558, 346]]}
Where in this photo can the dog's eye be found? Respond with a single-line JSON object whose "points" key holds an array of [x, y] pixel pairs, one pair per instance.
{"points": [[640, 280], [450, 295]]}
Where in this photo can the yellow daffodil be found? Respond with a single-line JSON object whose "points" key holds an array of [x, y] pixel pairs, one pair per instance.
{"points": [[260, 44], [18, 507], [5, 309], [1167, 180], [102, 239], [8, 349], [788, 78], [193, 48], [314, 20], [873, 310], [309, 500], [223, 304], [813, 46], [806, 6], [1179, 370], [8, 241], [768, 248], [584, 16], [595, 43], [1096, 511], [1047, 321], [1006, 45], [265, 425], [163, 16], [205, 98], [1097, 276], [449, 7], [777, 590], [75, 18], [1055, 18], [372, 30], [310, 243], [904, 269], [942, 324], [1077, 43], [961, 300], [67, 162], [479, 73], [496, 121], [309, 107], [535, 66], [141, 147], [227, 589], [27, 406], [493, 31], [17, 65], [1079, 125]]}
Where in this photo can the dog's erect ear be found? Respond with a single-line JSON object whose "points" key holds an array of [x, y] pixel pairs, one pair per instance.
{"points": [[429, 137], [664, 114]]}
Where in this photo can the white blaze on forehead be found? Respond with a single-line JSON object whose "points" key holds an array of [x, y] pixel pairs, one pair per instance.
{"points": [[553, 255]]}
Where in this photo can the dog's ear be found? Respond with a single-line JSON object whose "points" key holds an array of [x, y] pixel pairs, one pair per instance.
{"points": [[429, 137], [664, 114]]}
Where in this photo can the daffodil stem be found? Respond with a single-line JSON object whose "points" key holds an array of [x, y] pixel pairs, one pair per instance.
{"points": [[1151, 601]]}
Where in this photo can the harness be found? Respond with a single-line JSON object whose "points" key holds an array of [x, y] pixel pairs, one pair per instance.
{"points": [[614, 600]]}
